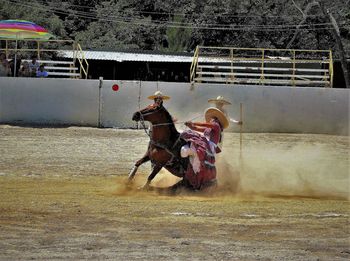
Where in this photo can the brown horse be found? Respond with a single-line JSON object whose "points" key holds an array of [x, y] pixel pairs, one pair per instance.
{"points": [[164, 146]]}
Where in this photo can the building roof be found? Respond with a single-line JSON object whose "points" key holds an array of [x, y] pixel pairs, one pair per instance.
{"points": [[130, 56]]}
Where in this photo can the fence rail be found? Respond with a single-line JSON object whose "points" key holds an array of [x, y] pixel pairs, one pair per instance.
{"points": [[262, 66]]}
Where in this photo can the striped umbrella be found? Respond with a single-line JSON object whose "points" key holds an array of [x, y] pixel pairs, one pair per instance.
{"points": [[21, 29]]}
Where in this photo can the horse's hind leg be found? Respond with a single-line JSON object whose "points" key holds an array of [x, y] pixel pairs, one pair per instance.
{"points": [[136, 166]]}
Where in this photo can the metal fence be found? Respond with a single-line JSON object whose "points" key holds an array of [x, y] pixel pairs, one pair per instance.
{"points": [[257, 66]]}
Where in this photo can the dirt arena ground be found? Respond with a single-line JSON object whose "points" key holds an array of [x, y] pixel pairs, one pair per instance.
{"points": [[63, 198]]}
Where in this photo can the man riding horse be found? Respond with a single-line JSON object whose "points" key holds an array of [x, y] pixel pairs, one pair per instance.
{"points": [[189, 155]]}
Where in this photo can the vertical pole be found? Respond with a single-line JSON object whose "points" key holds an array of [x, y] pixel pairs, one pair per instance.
{"points": [[139, 103], [293, 78], [38, 50], [330, 68], [232, 75], [7, 51], [15, 65], [240, 129], [262, 66], [99, 124]]}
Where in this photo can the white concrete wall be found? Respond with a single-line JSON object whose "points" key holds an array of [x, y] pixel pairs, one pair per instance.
{"points": [[81, 102], [265, 109], [48, 101]]}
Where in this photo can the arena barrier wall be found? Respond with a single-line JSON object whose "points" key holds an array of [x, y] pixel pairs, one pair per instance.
{"points": [[98, 103], [49, 101]]}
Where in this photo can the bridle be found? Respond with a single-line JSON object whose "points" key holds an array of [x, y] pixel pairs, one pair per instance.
{"points": [[157, 144], [142, 120]]}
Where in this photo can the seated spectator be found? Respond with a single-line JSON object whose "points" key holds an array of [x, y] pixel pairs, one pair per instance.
{"points": [[41, 72], [5, 69], [34, 65], [17, 60], [24, 71]]}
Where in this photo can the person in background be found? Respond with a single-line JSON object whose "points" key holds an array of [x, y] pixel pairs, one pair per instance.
{"points": [[41, 73], [5, 69], [24, 71], [220, 102], [34, 66]]}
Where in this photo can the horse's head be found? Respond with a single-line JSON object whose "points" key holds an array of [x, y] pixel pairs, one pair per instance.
{"points": [[151, 113]]}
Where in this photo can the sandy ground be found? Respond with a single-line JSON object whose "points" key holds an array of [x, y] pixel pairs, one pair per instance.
{"points": [[63, 198]]}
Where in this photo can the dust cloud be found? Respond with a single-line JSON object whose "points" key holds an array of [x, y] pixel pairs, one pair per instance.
{"points": [[274, 165], [287, 169]]}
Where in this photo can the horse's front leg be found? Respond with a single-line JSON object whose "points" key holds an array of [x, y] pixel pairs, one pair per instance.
{"points": [[155, 170], [136, 166]]}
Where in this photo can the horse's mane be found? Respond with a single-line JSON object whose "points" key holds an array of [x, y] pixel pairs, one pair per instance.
{"points": [[172, 127]]}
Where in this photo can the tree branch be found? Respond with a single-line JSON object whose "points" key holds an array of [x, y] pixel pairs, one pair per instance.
{"points": [[305, 16], [297, 7]]}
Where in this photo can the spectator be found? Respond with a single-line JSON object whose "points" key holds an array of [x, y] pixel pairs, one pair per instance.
{"points": [[41, 73], [34, 65], [24, 71], [5, 69], [16, 60]]}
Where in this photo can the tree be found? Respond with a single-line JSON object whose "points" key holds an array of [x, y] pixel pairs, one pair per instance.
{"points": [[327, 16]]}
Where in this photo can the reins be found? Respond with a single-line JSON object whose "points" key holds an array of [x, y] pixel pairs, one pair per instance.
{"points": [[142, 120], [162, 146]]}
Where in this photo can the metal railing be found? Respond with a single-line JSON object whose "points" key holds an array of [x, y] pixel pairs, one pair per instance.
{"points": [[194, 63], [261, 66], [78, 55], [41, 51]]}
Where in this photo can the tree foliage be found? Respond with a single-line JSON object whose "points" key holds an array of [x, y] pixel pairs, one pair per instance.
{"points": [[180, 25]]}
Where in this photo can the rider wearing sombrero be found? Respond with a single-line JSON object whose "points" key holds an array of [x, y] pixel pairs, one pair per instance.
{"points": [[158, 97], [203, 147]]}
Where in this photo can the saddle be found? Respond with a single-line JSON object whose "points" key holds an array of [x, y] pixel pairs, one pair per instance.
{"points": [[177, 165]]}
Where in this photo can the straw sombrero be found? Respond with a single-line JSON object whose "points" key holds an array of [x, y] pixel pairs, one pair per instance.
{"points": [[158, 94], [219, 99], [214, 112]]}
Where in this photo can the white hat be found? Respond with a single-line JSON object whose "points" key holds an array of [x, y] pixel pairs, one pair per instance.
{"points": [[158, 94], [219, 99], [215, 112]]}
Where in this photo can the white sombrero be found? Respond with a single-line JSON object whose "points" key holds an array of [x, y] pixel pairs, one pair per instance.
{"points": [[219, 99], [215, 112], [158, 94]]}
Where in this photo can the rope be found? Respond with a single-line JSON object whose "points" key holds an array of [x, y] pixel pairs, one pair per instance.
{"points": [[142, 121]]}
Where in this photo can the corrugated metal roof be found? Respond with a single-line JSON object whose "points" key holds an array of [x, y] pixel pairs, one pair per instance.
{"points": [[126, 56]]}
